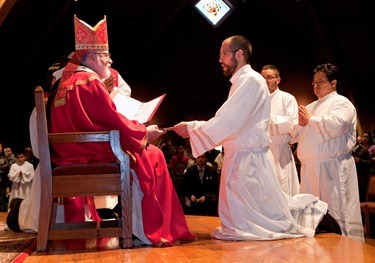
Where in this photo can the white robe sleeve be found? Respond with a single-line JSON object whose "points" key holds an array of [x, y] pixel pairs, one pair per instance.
{"points": [[281, 122], [296, 131], [27, 173], [334, 122], [14, 173], [123, 87], [230, 119], [34, 133], [279, 125]]}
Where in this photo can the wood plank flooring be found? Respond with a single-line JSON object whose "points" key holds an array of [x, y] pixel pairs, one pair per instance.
{"points": [[321, 248]]}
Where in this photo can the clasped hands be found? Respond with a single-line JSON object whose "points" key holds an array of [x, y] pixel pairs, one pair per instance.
{"points": [[199, 200], [303, 115]]}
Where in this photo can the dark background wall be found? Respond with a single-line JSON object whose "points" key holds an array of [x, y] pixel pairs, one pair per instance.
{"points": [[166, 46]]}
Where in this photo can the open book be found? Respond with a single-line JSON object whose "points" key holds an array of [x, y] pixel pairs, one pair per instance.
{"points": [[134, 109]]}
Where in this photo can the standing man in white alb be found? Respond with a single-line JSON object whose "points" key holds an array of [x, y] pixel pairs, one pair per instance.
{"points": [[326, 134], [284, 110]]}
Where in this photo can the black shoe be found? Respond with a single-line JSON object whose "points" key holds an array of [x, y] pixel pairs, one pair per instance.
{"points": [[106, 213], [328, 225], [117, 210]]}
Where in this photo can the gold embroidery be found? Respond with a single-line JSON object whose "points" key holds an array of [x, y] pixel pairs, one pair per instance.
{"points": [[60, 99]]}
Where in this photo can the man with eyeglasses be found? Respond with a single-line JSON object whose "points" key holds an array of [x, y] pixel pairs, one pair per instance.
{"points": [[252, 205], [326, 133], [284, 110], [82, 103]]}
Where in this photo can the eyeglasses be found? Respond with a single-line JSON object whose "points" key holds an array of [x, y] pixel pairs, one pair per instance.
{"points": [[222, 54], [269, 77], [320, 82], [107, 55]]}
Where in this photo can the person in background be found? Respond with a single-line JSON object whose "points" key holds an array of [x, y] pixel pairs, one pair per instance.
{"points": [[211, 156], [30, 157], [179, 162], [252, 205], [4, 180], [363, 161], [359, 141], [166, 146], [177, 167], [326, 133], [161, 221], [9, 155], [219, 161], [200, 188], [284, 110], [6, 184], [21, 174], [188, 153], [367, 142]]}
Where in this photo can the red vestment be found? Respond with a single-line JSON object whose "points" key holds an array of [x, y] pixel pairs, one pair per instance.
{"points": [[88, 107], [178, 164]]}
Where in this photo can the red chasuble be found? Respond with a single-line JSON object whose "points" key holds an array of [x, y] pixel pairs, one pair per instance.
{"points": [[86, 106]]}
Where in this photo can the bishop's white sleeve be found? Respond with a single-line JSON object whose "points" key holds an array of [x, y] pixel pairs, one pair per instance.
{"points": [[34, 133], [123, 87]]}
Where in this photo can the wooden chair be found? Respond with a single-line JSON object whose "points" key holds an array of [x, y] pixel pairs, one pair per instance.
{"points": [[368, 207], [80, 180]]}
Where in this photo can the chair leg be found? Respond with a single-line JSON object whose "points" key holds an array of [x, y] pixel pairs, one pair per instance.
{"points": [[44, 224], [126, 242], [42, 238], [126, 216], [368, 226], [367, 222]]}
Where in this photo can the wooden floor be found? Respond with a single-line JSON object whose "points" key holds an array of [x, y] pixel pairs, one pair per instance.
{"points": [[321, 248]]}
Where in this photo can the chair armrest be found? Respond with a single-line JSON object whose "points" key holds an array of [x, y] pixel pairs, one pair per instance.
{"points": [[73, 137]]}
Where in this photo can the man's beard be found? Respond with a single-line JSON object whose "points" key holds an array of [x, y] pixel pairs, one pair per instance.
{"points": [[230, 68], [105, 73]]}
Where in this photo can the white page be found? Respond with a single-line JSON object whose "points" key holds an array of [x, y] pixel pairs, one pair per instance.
{"points": [[134, 109]]}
